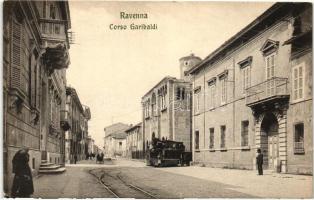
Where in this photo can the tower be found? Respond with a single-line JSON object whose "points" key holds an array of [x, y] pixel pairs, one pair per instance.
{"points": [[187, 63]]}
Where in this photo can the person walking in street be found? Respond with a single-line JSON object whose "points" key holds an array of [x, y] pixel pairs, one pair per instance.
{"points": [[75, 158], [259, 162], [23, 181]]}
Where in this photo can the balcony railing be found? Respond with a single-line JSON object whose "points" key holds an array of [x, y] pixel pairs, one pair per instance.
{"points": [[53, 29], [274, 87], [298, 147]]}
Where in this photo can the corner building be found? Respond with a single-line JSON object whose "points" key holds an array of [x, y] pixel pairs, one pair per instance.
{"points": [[35, 58], [255, 91], [167, 107]]}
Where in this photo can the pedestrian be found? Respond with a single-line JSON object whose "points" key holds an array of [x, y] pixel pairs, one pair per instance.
{"points": [[75, 158], [259, 162], [23, 181]]}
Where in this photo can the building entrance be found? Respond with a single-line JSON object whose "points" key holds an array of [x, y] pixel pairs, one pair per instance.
{"points": [[270, 142]]}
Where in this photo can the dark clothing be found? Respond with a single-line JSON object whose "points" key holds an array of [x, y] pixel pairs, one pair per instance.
{"points": [[23, 182], [75, 159], [259, 162]]}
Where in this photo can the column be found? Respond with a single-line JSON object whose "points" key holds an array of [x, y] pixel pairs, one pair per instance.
{"points": [[282, 132]]}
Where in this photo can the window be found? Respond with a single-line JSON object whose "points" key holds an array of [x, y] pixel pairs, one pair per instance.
{"points": [[211, 95], [154, 107], [162, 92], [222, 136], [197, 96], [33, 163], [298, 82], [270, 66], [244, 133], [211, 138], [270, 73], [146, 108], [52, 12], [57, 29], [197, 139], [246, 78], [299, 138], [180, 93], [224, 90], [44, 9]]}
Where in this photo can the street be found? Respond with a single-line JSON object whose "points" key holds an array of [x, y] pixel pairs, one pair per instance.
{"points": [[133, 179]]}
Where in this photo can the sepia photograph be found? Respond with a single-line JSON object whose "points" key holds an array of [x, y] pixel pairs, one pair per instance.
{"points": [[157, 99]]}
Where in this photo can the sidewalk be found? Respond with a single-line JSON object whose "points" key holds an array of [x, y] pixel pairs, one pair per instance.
{"points": [[75, 182], [270, 185]]}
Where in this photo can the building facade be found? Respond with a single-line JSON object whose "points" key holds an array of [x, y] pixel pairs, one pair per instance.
{"points": [[115, 140], [255, 91], [134, 142], [35, 58], [166, 108], [76, 137]]}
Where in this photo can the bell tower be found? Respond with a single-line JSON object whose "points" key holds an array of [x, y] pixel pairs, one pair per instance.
{"points": [[186, 63]]}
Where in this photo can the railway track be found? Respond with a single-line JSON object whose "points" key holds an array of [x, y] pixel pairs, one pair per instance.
{"points": [[119, 188], [102, 183]]}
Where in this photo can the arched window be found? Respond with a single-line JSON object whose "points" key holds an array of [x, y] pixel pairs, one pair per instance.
{"points": [[154, 105]]}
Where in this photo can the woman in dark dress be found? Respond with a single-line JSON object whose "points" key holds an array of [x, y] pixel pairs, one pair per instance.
{"points": [[23, 180]]}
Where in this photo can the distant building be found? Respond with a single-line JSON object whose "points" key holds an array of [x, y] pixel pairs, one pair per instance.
{"points": [[255, 91], [134, 142], [78, 117], [35, 58], [115, 140], [167, 107], [90, 144]]}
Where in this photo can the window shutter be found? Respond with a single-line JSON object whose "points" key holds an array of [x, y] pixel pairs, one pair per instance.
{"points": [[16, 55]]}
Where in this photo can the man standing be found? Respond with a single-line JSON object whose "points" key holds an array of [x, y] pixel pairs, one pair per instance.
{"points": [[259, 162], [23, 182], [75, 158]]}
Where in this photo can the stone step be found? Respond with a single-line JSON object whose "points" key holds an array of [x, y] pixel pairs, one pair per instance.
{"points": [[43, 161], [54, 171], [51, 167], [46, 164]]}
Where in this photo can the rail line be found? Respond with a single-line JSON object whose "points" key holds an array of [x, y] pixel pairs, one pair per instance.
{"points": [[136, 188], [131, 186], [103, 184]]}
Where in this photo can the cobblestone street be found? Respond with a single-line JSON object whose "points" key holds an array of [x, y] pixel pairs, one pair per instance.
{"points": [[203, 182]]}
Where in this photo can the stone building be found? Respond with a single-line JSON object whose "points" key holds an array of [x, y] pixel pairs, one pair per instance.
{"points": [[134, 142], [167, 107], [78, 116], [255, 91], [35, 58], [90, 144], [115, 140]]}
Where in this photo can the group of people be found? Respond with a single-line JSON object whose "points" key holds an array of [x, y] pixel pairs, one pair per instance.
{"points": [[100, 158], [90, 156]]}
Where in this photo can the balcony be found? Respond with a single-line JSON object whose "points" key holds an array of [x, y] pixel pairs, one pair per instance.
{"points": [[268, 91], [52, 29]]}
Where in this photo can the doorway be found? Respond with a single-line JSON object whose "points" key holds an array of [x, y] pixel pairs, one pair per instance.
{"points": [[270, 142]]}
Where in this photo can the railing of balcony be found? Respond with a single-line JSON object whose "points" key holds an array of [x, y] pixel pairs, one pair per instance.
{"points": [[298, 147], [272, 87], [54, 29]]}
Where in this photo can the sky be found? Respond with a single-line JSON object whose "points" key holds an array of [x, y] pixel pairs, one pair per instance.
{"points": [[112, 69]]}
